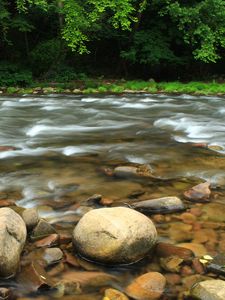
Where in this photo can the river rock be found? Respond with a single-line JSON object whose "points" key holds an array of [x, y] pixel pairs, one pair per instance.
{"points": [[112, 294], [42, 229], [133, 171], [217, 265], [52, 255], [117, 235], [12, 239], [199, 193], [160, 205], [30, 217], [198, 249], [149, 286], [168, 250], [209, 290]]}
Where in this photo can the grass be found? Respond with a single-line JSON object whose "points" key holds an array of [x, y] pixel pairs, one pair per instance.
{"points": [[102, 86]]}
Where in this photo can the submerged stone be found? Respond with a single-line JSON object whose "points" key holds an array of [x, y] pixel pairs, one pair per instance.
{"points": [[114, 235], [160, 205], [149, 286], [199, 193]]}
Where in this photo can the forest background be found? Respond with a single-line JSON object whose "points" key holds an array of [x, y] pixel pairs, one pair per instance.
{"points": [[73, 40]]}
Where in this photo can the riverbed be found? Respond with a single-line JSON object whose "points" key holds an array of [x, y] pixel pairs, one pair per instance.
{"points": [[63, 150]]}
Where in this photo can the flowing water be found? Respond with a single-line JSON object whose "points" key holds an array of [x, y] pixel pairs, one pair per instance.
{"points": [[63, 145]]}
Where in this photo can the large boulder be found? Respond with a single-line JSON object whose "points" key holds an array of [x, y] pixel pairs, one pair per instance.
{"points": [[117, 235], [12, 239]]}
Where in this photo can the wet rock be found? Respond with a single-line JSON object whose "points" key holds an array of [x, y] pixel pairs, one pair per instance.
{"points": [[214, 212], [114, 235], [171, 264], [33, 278], [6, 203], [125, 171], [173, 279], [48, 241], [198, 249], [112, 294], [189, 281], [7, 148], [197, 266], [52, 255], [160, 205], [167, 250], [56, 269], [215, 147], [209, 290], [30, 217], [4, 293], [42, 230], [133, 171], [81, 282], [149, 286], [12, 239], [217, 265], [94, 199], [180, 232], [199, 193]]}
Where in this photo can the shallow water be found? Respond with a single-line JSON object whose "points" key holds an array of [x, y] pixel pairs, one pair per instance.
{"points": [[64, 143]]}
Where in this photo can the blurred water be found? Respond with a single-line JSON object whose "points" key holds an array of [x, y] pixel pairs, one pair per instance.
{"points": [[64, 140]]}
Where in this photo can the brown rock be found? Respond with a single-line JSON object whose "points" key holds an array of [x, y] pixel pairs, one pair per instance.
{"points": [[171, 264], [42, 230], [188, 218], [186, 271], [48, 241], [7, 148], [197, 266], [198, 249], [199, 193], [180, 232], [112, 294], [173, 279], [149, 286], [33, 277], [6, 203], [167, 250], [80, 282]]}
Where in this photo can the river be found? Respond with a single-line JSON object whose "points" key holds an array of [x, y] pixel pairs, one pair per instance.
{"points": [[65, 143]]}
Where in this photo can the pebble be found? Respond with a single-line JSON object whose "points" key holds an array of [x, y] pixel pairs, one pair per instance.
{"points": [[209, 290], [199, 193], [149, 286], [52, 255], [30, 217], [41, 230], [112, 294], [167, 250], [160, 205], [198, 249]]}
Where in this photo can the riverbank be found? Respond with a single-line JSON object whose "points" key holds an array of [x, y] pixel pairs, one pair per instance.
{"points": [[100, 86]]}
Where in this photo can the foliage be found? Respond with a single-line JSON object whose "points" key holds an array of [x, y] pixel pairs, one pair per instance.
{"points": [[202, 24], [140, 37], [14, 75]]}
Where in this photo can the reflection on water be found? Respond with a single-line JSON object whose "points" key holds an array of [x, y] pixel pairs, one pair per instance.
{"points": [[63, 143]]}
